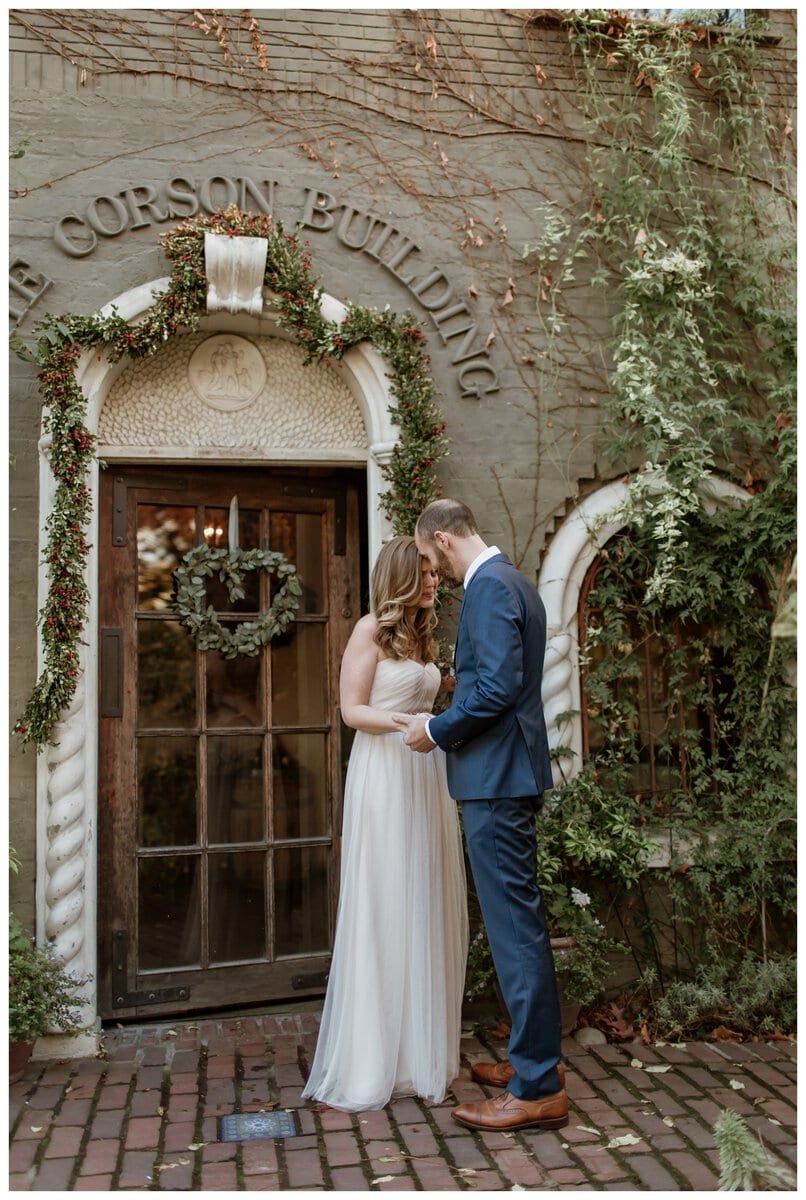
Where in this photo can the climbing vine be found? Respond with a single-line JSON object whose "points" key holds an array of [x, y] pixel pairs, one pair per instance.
{"points": [[696, 265], [59, 343]]}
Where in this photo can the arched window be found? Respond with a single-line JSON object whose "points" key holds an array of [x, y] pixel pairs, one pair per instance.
{"points": [[653, 690], [577, 546]]}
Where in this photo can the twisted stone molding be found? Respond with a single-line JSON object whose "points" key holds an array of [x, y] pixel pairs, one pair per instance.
{"points": [[65, 857], [573, 549]]}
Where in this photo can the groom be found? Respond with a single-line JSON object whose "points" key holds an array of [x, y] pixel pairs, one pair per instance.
{"points": [[494, 734]]}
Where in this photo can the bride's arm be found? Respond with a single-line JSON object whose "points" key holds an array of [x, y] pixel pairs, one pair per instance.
{"points": [[355, 683]]}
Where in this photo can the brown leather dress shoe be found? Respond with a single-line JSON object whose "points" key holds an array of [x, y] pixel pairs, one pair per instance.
{"points": [[507, 1112], [498, 1074]]}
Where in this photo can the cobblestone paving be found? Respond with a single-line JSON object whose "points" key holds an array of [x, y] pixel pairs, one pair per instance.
{"points": [[145, 1116]]}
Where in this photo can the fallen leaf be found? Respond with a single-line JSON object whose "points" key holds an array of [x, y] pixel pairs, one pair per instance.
{"points": [[761, 1099], [614, 1023], [37, 1128], [721, 1034], [627, 1140], [773, 1121], [466, 1171], [636, 1062], [736, 1084], [196, 1145], [588, 1129], [167, 1166], [160, 1110], [382, 1179], [668, 1121], [657, 1070], [517, 1187], [392, 1158], [473, 291]]}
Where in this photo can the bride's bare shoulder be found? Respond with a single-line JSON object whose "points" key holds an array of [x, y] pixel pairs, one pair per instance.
{"points": [[364, 631]]}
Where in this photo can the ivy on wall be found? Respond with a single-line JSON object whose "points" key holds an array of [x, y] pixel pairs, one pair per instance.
{"points": [[60, 341], [690, 235]]}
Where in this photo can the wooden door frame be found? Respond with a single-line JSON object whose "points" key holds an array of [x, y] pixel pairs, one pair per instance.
{"points": [[122, 994]]}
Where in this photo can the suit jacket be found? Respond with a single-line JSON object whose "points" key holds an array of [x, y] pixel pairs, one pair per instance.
{"points": [[494, 732]]}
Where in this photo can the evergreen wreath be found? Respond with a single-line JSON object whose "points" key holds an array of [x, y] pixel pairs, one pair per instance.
{"points": [[59, 343], [245, 637]]}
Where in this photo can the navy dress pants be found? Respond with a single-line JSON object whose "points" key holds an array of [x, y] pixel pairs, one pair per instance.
{"points": [[502, 847]]}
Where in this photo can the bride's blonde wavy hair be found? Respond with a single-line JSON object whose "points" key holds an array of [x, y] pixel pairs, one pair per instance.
{"points": [[397, 582]]}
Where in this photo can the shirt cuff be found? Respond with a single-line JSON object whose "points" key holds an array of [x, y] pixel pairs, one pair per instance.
{"points": [[428, 731]]}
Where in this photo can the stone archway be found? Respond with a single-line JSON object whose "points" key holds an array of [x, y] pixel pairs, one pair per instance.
{"points": [[67, 774], [573, 549]]}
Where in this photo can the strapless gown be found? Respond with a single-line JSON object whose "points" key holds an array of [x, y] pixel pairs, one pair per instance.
{"points": [[391, 1021]]}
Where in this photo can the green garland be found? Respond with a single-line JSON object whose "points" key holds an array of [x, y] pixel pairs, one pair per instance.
{"points": [[246, 637], [60, 341]]}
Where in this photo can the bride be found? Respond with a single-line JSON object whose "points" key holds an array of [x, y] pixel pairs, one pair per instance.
{"points": [[392, 1016]]}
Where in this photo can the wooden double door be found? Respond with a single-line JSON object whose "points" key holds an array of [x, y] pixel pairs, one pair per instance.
{"points": [[220, 778]]}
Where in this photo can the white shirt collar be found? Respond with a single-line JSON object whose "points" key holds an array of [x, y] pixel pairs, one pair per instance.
{"points": [[490, 552]]}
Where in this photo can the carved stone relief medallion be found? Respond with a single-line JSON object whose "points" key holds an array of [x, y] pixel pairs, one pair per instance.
{"points": [[227, 372]]}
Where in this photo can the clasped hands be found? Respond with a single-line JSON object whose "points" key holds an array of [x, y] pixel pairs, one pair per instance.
{"points": [[416, 737]]}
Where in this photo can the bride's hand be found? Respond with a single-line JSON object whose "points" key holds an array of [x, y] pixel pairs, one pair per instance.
{"points": [[416, 737]]}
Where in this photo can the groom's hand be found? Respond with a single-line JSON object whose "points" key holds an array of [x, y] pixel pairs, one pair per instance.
{"points": [[416, 737]]}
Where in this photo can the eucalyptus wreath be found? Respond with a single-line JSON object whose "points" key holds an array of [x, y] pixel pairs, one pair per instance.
{"points": [[57, 348], [243, 637]]}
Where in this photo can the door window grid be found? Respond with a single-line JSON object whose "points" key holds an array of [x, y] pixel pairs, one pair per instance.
{"points": [[210, 865]]}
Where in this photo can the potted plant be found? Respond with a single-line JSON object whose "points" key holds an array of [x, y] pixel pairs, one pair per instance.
{"points": [[582, 952], [586, 836], [581, 959], [41, 996]]}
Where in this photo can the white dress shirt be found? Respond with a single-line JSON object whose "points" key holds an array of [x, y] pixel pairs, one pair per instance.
{"points": [[490, 552]]}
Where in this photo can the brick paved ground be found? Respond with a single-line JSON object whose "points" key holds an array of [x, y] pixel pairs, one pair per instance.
{"points": [[146, 1117]]}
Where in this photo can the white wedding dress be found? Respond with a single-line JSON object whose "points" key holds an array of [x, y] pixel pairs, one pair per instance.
{"points": [[391, 1022]]}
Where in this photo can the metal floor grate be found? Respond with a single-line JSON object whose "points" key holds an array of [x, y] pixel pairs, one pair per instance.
{"points": [[253, 1127]]}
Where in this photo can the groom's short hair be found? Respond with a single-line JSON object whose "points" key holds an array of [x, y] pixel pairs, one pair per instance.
{"points": [[449, 516]]}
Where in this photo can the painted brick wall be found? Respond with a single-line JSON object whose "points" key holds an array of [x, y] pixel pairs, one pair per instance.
{"points": [[107, 100]]}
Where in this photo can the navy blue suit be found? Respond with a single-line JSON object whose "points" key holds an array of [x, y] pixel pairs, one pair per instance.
{"points": [[494, 734]]}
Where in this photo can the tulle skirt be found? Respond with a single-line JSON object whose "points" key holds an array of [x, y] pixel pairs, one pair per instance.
{"points": [[391, 1022]]}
